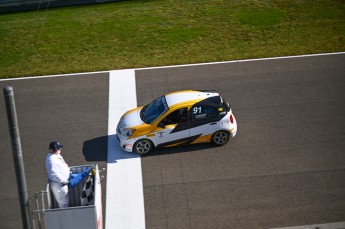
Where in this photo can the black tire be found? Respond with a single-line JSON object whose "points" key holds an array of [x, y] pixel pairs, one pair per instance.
{"points": [[220, 138], [143, 146]]}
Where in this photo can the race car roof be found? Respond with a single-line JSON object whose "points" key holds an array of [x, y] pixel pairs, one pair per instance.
{"points": [[187, 95]]}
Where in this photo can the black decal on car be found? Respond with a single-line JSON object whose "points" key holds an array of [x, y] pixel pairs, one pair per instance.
{"points": [[181, 141]]}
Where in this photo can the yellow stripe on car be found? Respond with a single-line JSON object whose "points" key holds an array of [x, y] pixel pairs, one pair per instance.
{"points": [[204, 138]]}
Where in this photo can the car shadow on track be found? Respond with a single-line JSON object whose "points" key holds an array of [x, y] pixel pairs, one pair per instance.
{"points": [[105, 148], [96, 149]]}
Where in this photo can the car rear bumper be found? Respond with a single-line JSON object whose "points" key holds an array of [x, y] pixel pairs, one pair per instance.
{"points": [[233, 127]]}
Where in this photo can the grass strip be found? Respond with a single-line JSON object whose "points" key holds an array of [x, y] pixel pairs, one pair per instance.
{"points": [[133, 34]]}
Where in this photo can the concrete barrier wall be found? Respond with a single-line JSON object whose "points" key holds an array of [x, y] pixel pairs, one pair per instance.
{"points": [[25, 5]]}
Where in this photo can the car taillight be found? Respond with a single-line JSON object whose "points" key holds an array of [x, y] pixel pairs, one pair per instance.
{"points": [[231, 119]]}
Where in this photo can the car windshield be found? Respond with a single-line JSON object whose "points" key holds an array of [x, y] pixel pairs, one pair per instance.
{"points": [[153, 110]]}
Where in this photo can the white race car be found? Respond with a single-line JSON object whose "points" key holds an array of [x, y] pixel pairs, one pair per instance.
{"points": [[183, 117]]}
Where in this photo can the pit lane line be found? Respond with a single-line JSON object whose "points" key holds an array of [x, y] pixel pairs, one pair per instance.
{"points": [[125, 198]]}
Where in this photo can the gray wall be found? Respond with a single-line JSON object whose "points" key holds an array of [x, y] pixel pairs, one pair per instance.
{"points": [[23, 5]]}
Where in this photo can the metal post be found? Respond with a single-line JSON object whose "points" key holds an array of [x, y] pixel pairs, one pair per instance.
{"points": [[17, 156]]}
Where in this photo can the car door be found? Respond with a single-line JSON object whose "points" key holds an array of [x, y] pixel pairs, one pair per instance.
{"points": [[173, 129], [203, 122]]}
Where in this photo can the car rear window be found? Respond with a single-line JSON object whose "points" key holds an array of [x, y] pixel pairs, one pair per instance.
{"points": [[225, 104]]}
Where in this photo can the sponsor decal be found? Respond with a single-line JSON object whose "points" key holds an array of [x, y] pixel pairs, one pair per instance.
{"points": [[200, 116], [160, 134]]}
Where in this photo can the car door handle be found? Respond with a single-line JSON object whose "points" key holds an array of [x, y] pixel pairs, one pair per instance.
{"points": [[213, 123]]}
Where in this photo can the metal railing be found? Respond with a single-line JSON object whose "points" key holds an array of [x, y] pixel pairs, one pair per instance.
{"points": [[45, 201], [40, 208]]}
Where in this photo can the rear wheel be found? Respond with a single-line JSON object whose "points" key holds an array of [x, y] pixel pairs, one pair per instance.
{"points": [[220, 138], [143, 146]]}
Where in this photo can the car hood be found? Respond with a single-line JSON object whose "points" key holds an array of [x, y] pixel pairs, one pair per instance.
{"points": [[130, 119]]}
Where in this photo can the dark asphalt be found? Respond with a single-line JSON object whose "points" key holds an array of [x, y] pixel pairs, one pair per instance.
{"points": [[70, 109], [285, 167]]}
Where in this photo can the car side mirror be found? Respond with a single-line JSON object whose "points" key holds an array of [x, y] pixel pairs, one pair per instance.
{"points": [[161, 125]]}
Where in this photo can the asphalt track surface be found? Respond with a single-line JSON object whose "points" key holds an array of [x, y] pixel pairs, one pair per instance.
{"points": [[285, 167]]}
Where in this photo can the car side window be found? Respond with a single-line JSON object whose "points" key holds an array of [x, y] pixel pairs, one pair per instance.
{"points": [[202, 113], [178, 116]]}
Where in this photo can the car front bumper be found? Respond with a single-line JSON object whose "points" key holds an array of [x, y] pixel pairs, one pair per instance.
{"points": [[125, 143]]}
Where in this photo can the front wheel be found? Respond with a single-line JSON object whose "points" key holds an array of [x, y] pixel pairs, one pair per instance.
{"points": [[220, 138], [143, 146]]}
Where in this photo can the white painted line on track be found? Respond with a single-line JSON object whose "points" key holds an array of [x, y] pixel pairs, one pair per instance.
{"points": [[125, 197], [53, 76], [183, 65], [240, 61]]}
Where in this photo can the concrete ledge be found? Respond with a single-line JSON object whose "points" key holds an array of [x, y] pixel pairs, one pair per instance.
{"points": [[27, 5], [339, 225]]}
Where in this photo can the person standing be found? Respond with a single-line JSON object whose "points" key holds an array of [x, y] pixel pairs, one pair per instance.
{"points": [[58, 174]]}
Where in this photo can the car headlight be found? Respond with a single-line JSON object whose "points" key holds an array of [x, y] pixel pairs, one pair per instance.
{"points": [[128, 132]]}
